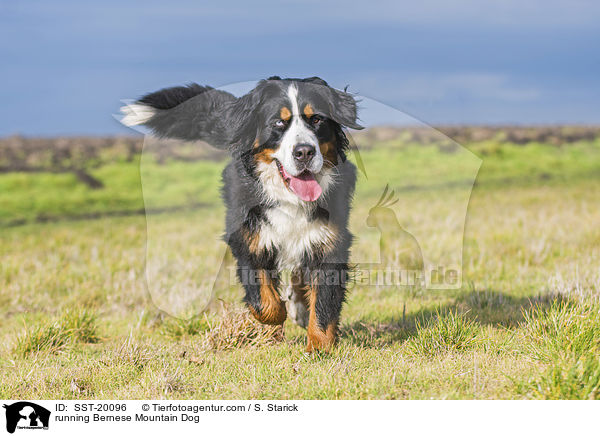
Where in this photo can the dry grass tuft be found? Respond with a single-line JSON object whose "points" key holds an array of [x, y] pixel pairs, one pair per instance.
{"points": [[238, 329]]}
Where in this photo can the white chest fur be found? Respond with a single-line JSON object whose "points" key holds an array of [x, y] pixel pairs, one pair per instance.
{"points": [[290, 230]]}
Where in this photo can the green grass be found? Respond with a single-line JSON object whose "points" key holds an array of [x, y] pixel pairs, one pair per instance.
{"points": [[77, 321], [444, 333], [26, 198], [73, 326], [569, 380], [177, 328], [42, 197], [565, 335], [565, 329]]}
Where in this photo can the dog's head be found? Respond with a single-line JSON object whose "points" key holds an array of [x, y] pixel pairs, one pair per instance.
{"points": [[287, 133]]}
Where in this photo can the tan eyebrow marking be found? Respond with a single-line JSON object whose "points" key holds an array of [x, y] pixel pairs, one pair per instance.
{"points": [[308, 111], [285, 114]]}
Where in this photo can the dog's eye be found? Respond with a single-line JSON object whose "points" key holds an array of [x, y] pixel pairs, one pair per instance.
{"points": [[316, 120], [279, 123]]}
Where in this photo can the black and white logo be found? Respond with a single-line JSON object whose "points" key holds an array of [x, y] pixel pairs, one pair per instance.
{"points": [[26, 415]]}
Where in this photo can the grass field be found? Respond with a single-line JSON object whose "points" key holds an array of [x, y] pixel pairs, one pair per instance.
{"points": [[76, 320]]}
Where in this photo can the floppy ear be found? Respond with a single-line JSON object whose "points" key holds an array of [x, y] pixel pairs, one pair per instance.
{"points": [[190, 113], [343, 109]]}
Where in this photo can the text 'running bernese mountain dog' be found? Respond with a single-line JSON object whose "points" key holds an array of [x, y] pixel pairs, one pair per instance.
{"points": [[287, 189]]}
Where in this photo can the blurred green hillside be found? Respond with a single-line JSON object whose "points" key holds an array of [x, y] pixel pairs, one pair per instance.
{"points": [[56, 179]]}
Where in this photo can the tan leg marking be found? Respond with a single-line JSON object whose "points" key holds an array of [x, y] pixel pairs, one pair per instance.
{"points": [[273, 309], [317, 338]]}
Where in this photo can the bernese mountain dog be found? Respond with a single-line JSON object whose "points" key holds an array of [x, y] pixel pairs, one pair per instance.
{"points": [[287, 189]]}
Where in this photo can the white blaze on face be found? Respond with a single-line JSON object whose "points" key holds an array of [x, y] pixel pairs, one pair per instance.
{"points": [[297, 133]]}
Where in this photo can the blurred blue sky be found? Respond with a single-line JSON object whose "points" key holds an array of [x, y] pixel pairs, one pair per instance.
{"points": [[67, 64]]}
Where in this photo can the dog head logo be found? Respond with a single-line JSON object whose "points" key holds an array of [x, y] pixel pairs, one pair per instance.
{"points": [[26, 415]]}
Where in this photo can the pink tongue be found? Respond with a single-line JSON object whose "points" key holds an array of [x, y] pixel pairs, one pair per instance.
{"points": [[305, 186]]}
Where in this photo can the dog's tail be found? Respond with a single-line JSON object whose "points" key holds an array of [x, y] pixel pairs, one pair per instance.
{"points": [[190, 113]]}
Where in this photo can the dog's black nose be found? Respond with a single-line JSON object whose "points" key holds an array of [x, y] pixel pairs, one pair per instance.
{"points": [[303, 153]]}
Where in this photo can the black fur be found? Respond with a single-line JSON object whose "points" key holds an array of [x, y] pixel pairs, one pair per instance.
{"points": [[190, 113], [247, 127], [168, 98]]}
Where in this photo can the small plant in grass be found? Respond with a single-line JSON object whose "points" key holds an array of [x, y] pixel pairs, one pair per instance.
{"points": [[447, 331], [75, 325], [565, 329]]}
